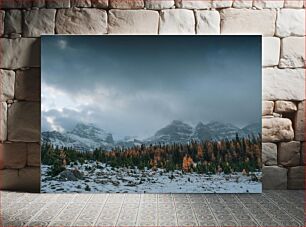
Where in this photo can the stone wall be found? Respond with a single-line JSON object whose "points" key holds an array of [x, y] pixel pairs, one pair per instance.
{"points": [[281, 22]]}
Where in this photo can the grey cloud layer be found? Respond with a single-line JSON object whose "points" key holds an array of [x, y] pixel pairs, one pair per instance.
{"points": [[140, 83]]}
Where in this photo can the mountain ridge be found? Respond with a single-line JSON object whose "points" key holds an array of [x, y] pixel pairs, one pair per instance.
{"points": [[86, 137]]}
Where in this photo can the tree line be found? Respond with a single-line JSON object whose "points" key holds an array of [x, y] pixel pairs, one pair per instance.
{"points": [[210, 157]]}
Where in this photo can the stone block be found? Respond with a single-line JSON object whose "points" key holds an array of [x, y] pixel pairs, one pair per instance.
{"points": [[289, 154], [56, 4], [81, 21], [13, 21], [262, 4], [270, 51], [3, 121], [177, 21], [299, 122], [20, 53], [133, 22], [303, 157], [33, 158], [290, 22], [293, 3], [296, 176], [2, 15], [274, 177], [269, 154], [13, 155], [39, 22], [126, 4], [25, 180], [221, 3], [27, 86], [285, 107], [39, 3], [277, 129], [159, 4], [80, 3], [99, 3], [283, 84], [24, 122], [208, 22], [293, 52], [192, 4], [240, 4], [15, 4], [267, 107], [248, 21], [7, 85]]}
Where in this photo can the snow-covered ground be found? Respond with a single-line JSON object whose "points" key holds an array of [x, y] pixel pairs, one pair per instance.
{"points": [[114, 180]]}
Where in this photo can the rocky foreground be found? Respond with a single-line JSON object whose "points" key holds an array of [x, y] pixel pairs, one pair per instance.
{"points": [[98, 177]]}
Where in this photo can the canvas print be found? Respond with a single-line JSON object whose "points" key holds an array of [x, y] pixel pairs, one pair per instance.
{"points": [[151, 114]]}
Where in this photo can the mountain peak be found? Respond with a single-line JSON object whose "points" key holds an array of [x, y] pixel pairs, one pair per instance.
{"points": [[176, 122]]}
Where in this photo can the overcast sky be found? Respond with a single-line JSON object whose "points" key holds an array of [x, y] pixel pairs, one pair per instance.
{"points": [[135, 85]]}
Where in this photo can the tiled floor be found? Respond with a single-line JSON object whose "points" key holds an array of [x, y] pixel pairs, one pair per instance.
{"points": [[271, 208]]}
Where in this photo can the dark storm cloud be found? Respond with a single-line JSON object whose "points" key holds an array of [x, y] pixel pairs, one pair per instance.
{"points": [[143, 82]]}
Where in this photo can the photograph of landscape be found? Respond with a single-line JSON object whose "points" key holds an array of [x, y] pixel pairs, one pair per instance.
{"points": [[151, 114]]}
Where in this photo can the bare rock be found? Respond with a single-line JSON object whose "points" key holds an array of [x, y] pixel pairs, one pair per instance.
{"points": [[293, 52], [290, 22], [277, 129], [67, 175], [24, 122], [13, 21], [27, 84], [38, 22], [267, 107], [133, 22], [13, 155], [178, 21], [20, 53], [248, 21], [208, 22], [81, 21], [283, 84], [274, 177], [289, 153], [7, 84], [296, 177], [269, 154]]}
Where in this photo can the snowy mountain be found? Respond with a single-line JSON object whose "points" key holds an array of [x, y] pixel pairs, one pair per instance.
{"points": [[83, 137], [88, 137], [221, 130], [175, 132]]}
